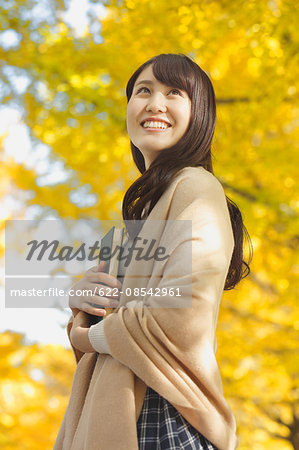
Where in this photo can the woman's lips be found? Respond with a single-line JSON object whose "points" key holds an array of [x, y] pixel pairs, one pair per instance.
{"points": [[156, 129]]}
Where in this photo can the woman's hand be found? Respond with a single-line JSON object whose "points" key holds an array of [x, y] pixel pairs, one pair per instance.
{"points": [[94, 281], [79, 333]]}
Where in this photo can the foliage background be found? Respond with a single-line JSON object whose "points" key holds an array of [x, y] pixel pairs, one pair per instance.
{"points": [[69, 90]]}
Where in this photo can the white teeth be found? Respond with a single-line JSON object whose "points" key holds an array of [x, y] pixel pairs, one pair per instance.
{"points": [[155, 124]]}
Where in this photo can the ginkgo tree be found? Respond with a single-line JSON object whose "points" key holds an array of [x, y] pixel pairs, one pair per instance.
{"points": [[75, 109], [34, 389]]}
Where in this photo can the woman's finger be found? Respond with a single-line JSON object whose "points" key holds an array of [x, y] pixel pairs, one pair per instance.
{"points": [[102, 277], [88, 308], [103, 302], [101, 312], [98, 268], [100, 290], [103, 291]]}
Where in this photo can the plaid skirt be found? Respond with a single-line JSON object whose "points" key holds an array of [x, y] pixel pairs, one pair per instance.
{"points": [[161, 427]]}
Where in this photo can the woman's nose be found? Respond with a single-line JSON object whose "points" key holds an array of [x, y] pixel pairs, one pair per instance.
{"points": [[156, 103]]}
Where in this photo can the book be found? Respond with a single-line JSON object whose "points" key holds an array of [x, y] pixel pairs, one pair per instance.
{"points": [[113, 239], [110, 250]]}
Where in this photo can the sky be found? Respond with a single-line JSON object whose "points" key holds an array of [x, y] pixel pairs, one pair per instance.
{"points": [[41, 325]]}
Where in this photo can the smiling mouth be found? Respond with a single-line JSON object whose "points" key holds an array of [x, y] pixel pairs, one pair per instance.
{"points": [[155, 125]]}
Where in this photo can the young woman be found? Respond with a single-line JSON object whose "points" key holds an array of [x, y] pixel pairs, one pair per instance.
{"points": [[147, 376]]}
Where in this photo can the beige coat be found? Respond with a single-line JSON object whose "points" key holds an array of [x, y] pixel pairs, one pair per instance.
{"points": [[171, 349]]}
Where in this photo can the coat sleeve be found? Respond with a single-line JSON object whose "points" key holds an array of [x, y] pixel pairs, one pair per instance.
{"points": [[77, 353]]}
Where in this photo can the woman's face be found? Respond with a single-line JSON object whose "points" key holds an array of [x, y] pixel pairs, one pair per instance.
{"points": [[157, 115]]}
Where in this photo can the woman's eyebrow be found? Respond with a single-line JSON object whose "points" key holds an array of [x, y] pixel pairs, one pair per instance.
{"points": [[151, 82], [144, 82]]}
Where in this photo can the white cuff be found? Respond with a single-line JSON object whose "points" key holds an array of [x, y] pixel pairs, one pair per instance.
{"points": [[97, 338]]}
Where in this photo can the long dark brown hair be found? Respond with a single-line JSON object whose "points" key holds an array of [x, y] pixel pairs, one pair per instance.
{"points": [[192, 150]]}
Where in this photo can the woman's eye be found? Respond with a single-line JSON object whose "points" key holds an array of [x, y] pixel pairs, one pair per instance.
{"points": [[176, 91], [146, 90], [141, 89]]}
